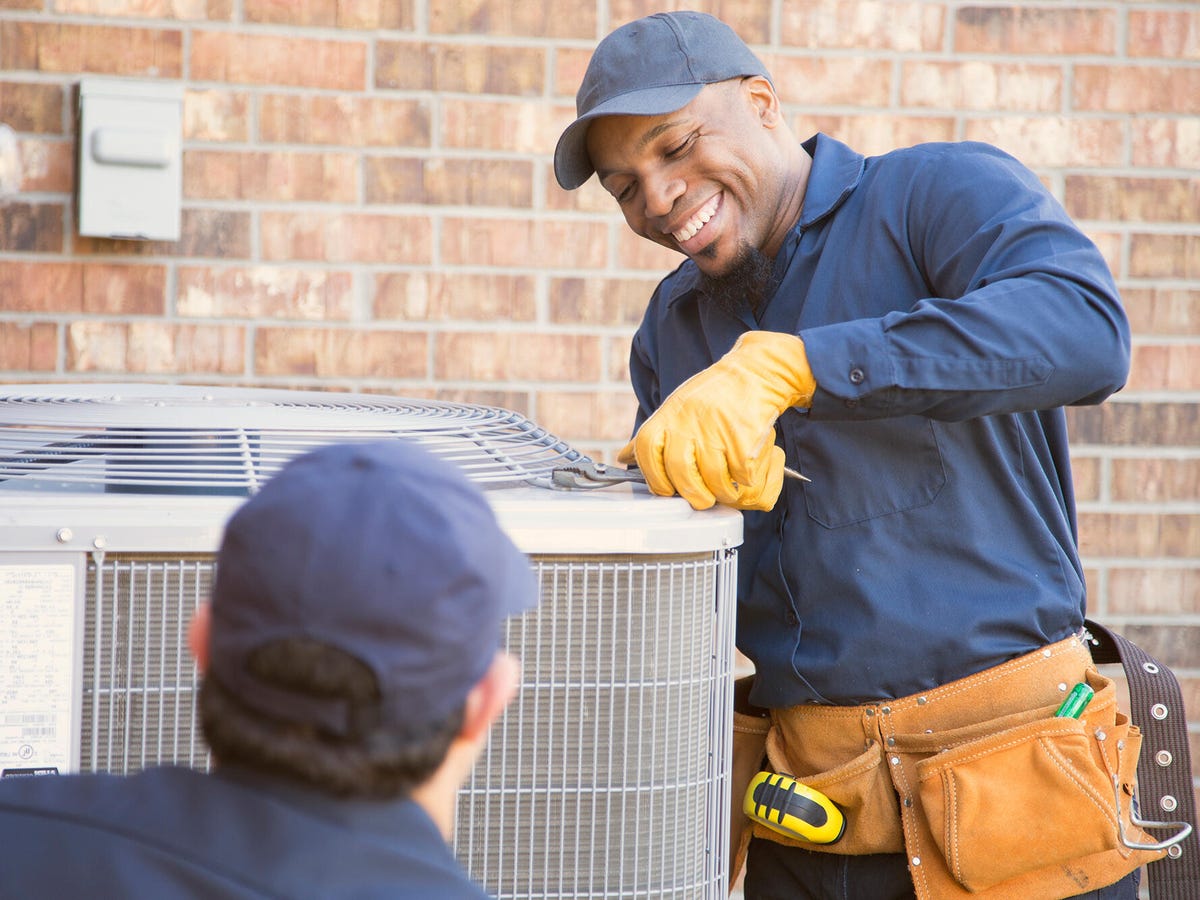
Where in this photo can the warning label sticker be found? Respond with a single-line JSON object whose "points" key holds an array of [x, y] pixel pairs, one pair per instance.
{"points": [[38, 627]]}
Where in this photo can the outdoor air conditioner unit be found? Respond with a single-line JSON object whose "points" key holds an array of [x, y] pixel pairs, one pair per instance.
{"points": [[607, 777]]}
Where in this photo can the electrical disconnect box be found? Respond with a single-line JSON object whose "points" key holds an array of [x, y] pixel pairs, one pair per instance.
{"points": [[130, 158]]}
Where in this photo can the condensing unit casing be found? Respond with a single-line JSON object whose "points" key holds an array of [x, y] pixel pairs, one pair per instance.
{"points": [[608, 775]]}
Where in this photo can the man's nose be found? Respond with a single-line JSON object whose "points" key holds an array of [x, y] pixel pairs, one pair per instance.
{"points": [[661, 193]]}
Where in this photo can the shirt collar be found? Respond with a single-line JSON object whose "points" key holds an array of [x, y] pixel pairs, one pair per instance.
{"points": [[836, 171]]}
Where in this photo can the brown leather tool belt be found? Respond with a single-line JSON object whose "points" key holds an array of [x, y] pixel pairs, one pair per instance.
{"points": [[986, 791]]}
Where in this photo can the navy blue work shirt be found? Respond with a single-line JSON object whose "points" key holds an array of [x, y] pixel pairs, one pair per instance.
{"points": [[949, 309], [171, 833]]}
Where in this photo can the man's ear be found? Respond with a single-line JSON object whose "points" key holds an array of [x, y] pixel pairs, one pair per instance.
{"points": [[764, 99], [491, 694], [198, 631]]}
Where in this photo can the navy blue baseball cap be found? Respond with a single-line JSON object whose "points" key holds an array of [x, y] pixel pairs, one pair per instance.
{"points": [[649, 67], [381, 550]]}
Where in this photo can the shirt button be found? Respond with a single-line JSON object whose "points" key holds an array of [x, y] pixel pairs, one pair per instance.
{"points": [[850, 404], [790, 618], [857, 375]]}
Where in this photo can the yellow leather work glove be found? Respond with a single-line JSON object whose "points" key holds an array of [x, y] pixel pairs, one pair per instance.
{"points": [[712, 440]]}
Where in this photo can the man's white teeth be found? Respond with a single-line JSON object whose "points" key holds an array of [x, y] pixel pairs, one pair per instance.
{"points": [[688, 231]]}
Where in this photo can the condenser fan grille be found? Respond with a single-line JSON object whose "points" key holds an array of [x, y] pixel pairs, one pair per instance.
{"points": [[181, 439]]}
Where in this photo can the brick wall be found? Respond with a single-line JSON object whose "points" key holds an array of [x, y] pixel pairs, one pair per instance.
{"points": [[369, 205]]}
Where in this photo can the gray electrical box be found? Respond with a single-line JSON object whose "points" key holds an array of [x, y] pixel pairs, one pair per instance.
{"points": [[130, 158]]}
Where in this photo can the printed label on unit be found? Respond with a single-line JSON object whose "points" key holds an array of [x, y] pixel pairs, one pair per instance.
{"points": [[38, 626]]}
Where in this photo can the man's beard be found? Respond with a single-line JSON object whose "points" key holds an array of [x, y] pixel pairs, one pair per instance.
{"points": [[745, 285]]}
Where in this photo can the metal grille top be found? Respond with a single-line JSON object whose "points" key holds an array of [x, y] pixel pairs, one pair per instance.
{"points": [[172, 439]]}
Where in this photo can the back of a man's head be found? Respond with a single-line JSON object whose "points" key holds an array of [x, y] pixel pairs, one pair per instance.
{"points": [[359, 597]]}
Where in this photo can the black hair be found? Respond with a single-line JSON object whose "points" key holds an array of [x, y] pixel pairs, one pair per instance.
{"points": [[378, 762]]}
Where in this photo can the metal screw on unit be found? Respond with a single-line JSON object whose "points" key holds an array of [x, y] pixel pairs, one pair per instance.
{"points": [[1168, 803], [1150, 667], [1174, 851], [1159, 711], [64, 535], [1163, 758], [100, 542]]}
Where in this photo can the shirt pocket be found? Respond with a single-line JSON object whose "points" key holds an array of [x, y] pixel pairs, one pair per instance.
{"points": [[863, 470]]}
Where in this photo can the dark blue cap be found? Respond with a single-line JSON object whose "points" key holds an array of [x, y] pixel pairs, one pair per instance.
{"points": [[383, 551], [649, 67]]}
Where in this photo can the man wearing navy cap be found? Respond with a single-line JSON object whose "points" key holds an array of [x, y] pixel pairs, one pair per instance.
{"points": [[905, 330], [352, 671]]}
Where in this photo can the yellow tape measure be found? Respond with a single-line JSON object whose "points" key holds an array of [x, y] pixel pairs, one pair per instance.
{"points": [[793, 809]]}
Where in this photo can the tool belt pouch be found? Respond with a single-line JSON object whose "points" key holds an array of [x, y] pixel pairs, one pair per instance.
{"points": [[1036, 795], [750, 726], [861, 787]]}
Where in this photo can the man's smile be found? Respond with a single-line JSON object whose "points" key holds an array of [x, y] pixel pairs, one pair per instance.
{"points": [[697, 220]]}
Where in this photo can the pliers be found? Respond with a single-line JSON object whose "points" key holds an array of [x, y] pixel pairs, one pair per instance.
{"points": [[588, 474]]}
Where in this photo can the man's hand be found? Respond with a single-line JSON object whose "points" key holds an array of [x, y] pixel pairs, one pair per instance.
{"points": [[712, 440]]}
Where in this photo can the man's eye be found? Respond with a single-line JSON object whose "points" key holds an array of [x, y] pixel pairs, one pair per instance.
{"points": [[624, 194], [681, 148]]}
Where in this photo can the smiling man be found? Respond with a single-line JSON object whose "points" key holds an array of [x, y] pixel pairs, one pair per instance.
{"points": [[906, 330]]}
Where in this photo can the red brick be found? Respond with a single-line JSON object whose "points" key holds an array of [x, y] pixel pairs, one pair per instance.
{"points": [[97, 49], [1132, 199], [518, 242], [1156, 480], [1162, 310], [29, 348], [510, 356], [330, 352], [981, 85], [54, 287], [277, 176], [588, 415], [635, 252], [213, 115], [871, 134], [1168, 143], [204, 232], [157, 348], [570, 63], [511, 126], [1139, 535], [1035, 31], [1138, 424], [599, 301], [1085, 472], [47, 166], [454, 297], [832, 80], [1153, 591], [618, 358], [517, 401], [590, 198], [31, 227], [22, 4], [460, 68], [1172, 34], [271, 59], [158, 9], [114, 289], [1164, 256], [512, 17], [1165, 367], [458, 182], [1137, 89], [346, 237], [30, 107], [361, 14], [903, 26], [264, 292], [344, 120], [1053, 141]]}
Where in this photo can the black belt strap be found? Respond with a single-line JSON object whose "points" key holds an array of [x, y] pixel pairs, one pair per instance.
{"points": [[1165, 768]]}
